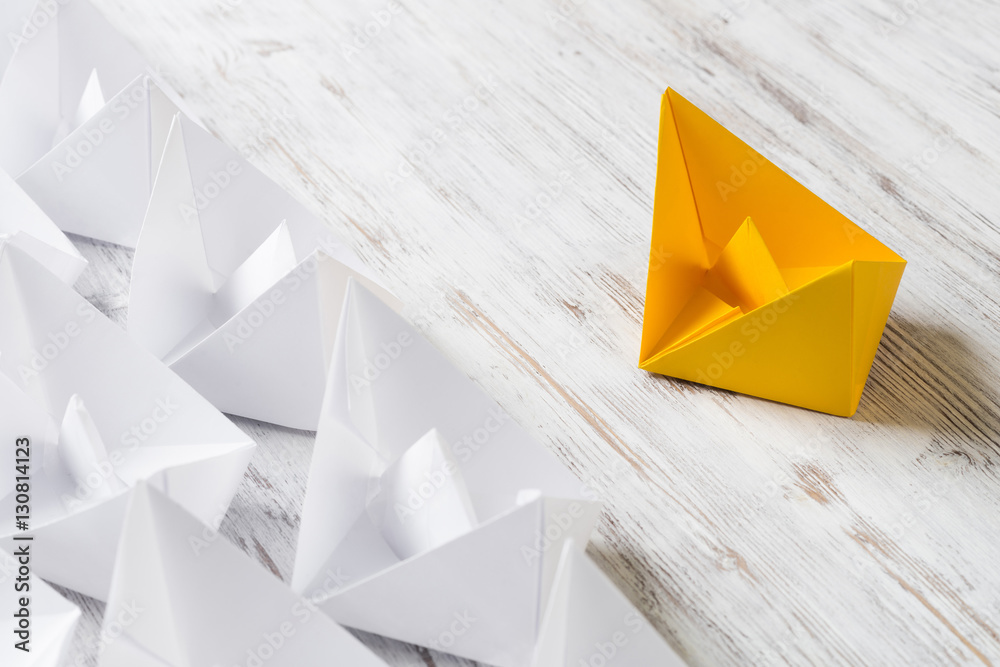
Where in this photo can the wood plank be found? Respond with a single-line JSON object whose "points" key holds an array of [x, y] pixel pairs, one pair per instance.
{"points": [[747, 532]]}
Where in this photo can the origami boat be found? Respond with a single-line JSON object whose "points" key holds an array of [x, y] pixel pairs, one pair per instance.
{"points": [[755, 284]]}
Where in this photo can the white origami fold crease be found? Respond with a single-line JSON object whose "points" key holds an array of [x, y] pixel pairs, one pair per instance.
{"points": [[236, 285], [53, 72], [90, 103], [82, 453], [589, 621], [420, 500], [96, 182], [24, 225], [270, 262], [184, 596], [413, 505], [140, 422], [88, 164], [489, 552], [18, 22], [53, 619]]}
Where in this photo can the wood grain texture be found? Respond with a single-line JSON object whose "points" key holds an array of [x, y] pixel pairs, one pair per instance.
{"points": [[522, 139]]}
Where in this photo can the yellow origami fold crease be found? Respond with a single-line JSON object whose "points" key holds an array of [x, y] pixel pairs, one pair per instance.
{"points": [[756, 284]]}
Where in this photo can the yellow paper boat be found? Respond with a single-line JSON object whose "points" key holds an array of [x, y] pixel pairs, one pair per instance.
{"points": [[756, 284]]}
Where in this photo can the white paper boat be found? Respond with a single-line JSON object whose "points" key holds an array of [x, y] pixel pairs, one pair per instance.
{"points": [[19, 22], [236, 285], [425, 498], [83, 119], [589, 622], [187, 598], [101, 414], [26, 226]]}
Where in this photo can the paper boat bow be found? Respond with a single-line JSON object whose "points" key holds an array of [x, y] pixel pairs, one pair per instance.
{"points": [[590, 622], [83, 119], [236, 285], [24, 225], [755, 284], [183, 596], [100, 414], [425, 497]]}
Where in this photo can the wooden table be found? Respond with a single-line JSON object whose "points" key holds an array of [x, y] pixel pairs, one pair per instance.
{"points": [[494, 161]]}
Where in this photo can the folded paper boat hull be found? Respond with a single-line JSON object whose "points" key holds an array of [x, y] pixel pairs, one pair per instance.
{"points": [[812, 341]]}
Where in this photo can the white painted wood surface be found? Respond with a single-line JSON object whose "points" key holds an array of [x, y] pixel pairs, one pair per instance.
{"points": [[748, 532]]}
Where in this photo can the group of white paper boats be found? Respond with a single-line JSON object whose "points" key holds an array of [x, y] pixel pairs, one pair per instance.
{"points": [[430, 516]]}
